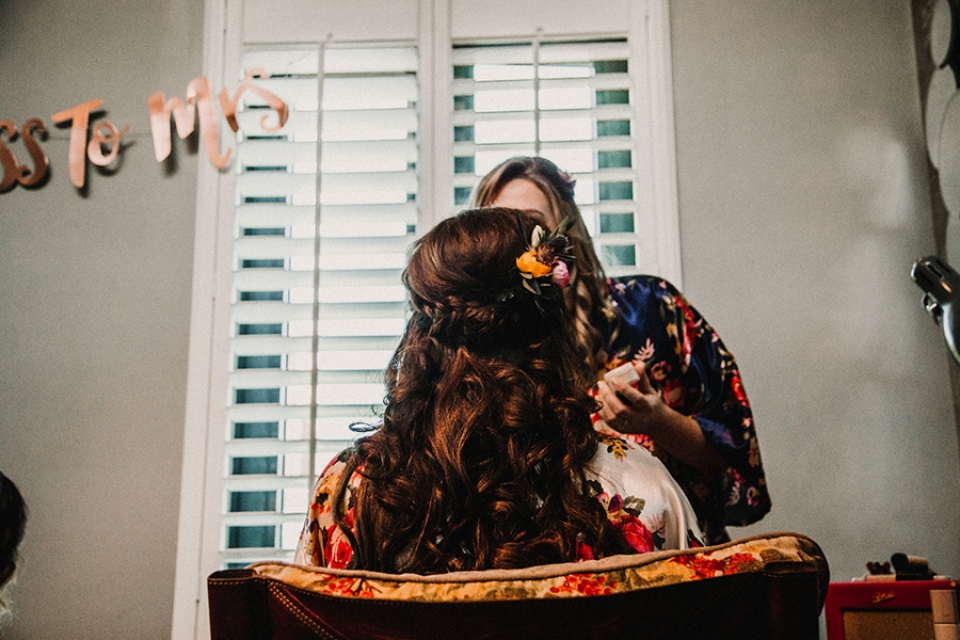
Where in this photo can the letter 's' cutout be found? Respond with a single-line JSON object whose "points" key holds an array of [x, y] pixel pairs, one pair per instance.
{"points": [[41, 164], [11, 169], [229, 105]]}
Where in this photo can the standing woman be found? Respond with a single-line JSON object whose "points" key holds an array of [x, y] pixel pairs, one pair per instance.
{"points": [[689, 406]]}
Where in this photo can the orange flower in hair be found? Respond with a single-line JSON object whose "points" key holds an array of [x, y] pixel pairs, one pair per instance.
{"points": [[530, 264], [543, 265]]}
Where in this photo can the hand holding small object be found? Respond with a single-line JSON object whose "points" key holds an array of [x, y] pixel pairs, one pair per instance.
{"points": [[630, 405]]}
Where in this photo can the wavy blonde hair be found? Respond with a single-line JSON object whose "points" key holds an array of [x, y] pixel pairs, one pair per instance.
{"points": [[586, 298]]}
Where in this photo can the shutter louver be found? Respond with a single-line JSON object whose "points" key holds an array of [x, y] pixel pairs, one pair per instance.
{"points": [[566, 101], [318, 301]]}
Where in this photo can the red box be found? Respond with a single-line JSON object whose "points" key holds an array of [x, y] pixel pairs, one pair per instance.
{"points": [[881, 609]]}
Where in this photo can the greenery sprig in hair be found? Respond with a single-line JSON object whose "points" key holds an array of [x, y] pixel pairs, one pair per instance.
{"points": [[543, 266]]}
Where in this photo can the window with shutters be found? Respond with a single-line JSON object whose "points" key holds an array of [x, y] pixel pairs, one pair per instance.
{"points": [[395, 112], [567, 101], [321, 228]]}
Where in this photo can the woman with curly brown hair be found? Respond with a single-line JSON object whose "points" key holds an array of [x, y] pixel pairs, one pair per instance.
{"points": [[487, 457], [688, 405]]}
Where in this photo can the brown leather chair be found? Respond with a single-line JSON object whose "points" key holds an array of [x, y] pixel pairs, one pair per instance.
{"points": [[769, 586]]}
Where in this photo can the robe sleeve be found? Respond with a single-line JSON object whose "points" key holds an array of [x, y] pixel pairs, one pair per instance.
{"points": [[322, 542], [696, 375]]}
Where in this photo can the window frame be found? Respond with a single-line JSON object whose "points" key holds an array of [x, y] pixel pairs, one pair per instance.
{"points": [[648, 34]]}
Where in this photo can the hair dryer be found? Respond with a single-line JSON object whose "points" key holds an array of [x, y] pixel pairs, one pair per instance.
{"points": [[941, 286]]}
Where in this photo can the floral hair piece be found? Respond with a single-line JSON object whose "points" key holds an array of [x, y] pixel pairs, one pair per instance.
{"points": [[544, 264]]}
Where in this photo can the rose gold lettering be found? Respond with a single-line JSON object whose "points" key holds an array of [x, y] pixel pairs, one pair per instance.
{"points": [[198, 96], [98, 139], [160, 121], [80, 115], [41, 164], [11, 169], [229, 105]]}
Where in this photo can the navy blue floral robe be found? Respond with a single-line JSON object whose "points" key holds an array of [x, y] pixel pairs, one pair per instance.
{"points": [[688, 364]]}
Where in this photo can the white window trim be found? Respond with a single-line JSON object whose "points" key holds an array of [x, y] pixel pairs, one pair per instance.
{"points": [[653, 31], [201, 485]]}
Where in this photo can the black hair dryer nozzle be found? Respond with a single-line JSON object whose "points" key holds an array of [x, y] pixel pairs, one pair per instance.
{"points": [[941, 297]]}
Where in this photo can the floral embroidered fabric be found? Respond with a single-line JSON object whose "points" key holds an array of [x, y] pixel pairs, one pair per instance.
{"points": [[689, 365], [639, 495], [616, 574]]}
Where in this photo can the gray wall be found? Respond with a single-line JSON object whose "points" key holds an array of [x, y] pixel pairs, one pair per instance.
{"points": [[803, 205], [94, 312]]}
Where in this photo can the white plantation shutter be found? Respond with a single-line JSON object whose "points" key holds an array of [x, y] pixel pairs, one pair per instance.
{"points": [[318, 304], [291, 261], [571, 102]]}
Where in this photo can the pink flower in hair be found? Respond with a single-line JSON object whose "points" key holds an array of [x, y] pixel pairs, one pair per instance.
{"points": [[561, 274]]}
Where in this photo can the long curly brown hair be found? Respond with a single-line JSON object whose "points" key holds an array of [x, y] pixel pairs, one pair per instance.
{"points": [[486, 432], [586, 296]]}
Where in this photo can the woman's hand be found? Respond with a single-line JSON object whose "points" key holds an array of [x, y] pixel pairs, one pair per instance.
{"points": [[641, 410], [632, 410]]}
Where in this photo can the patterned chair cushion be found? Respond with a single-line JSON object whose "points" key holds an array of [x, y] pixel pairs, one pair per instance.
{"points": [[773, 584]]}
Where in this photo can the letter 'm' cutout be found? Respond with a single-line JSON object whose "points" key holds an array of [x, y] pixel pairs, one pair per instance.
{"points": [[198, 95]]}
